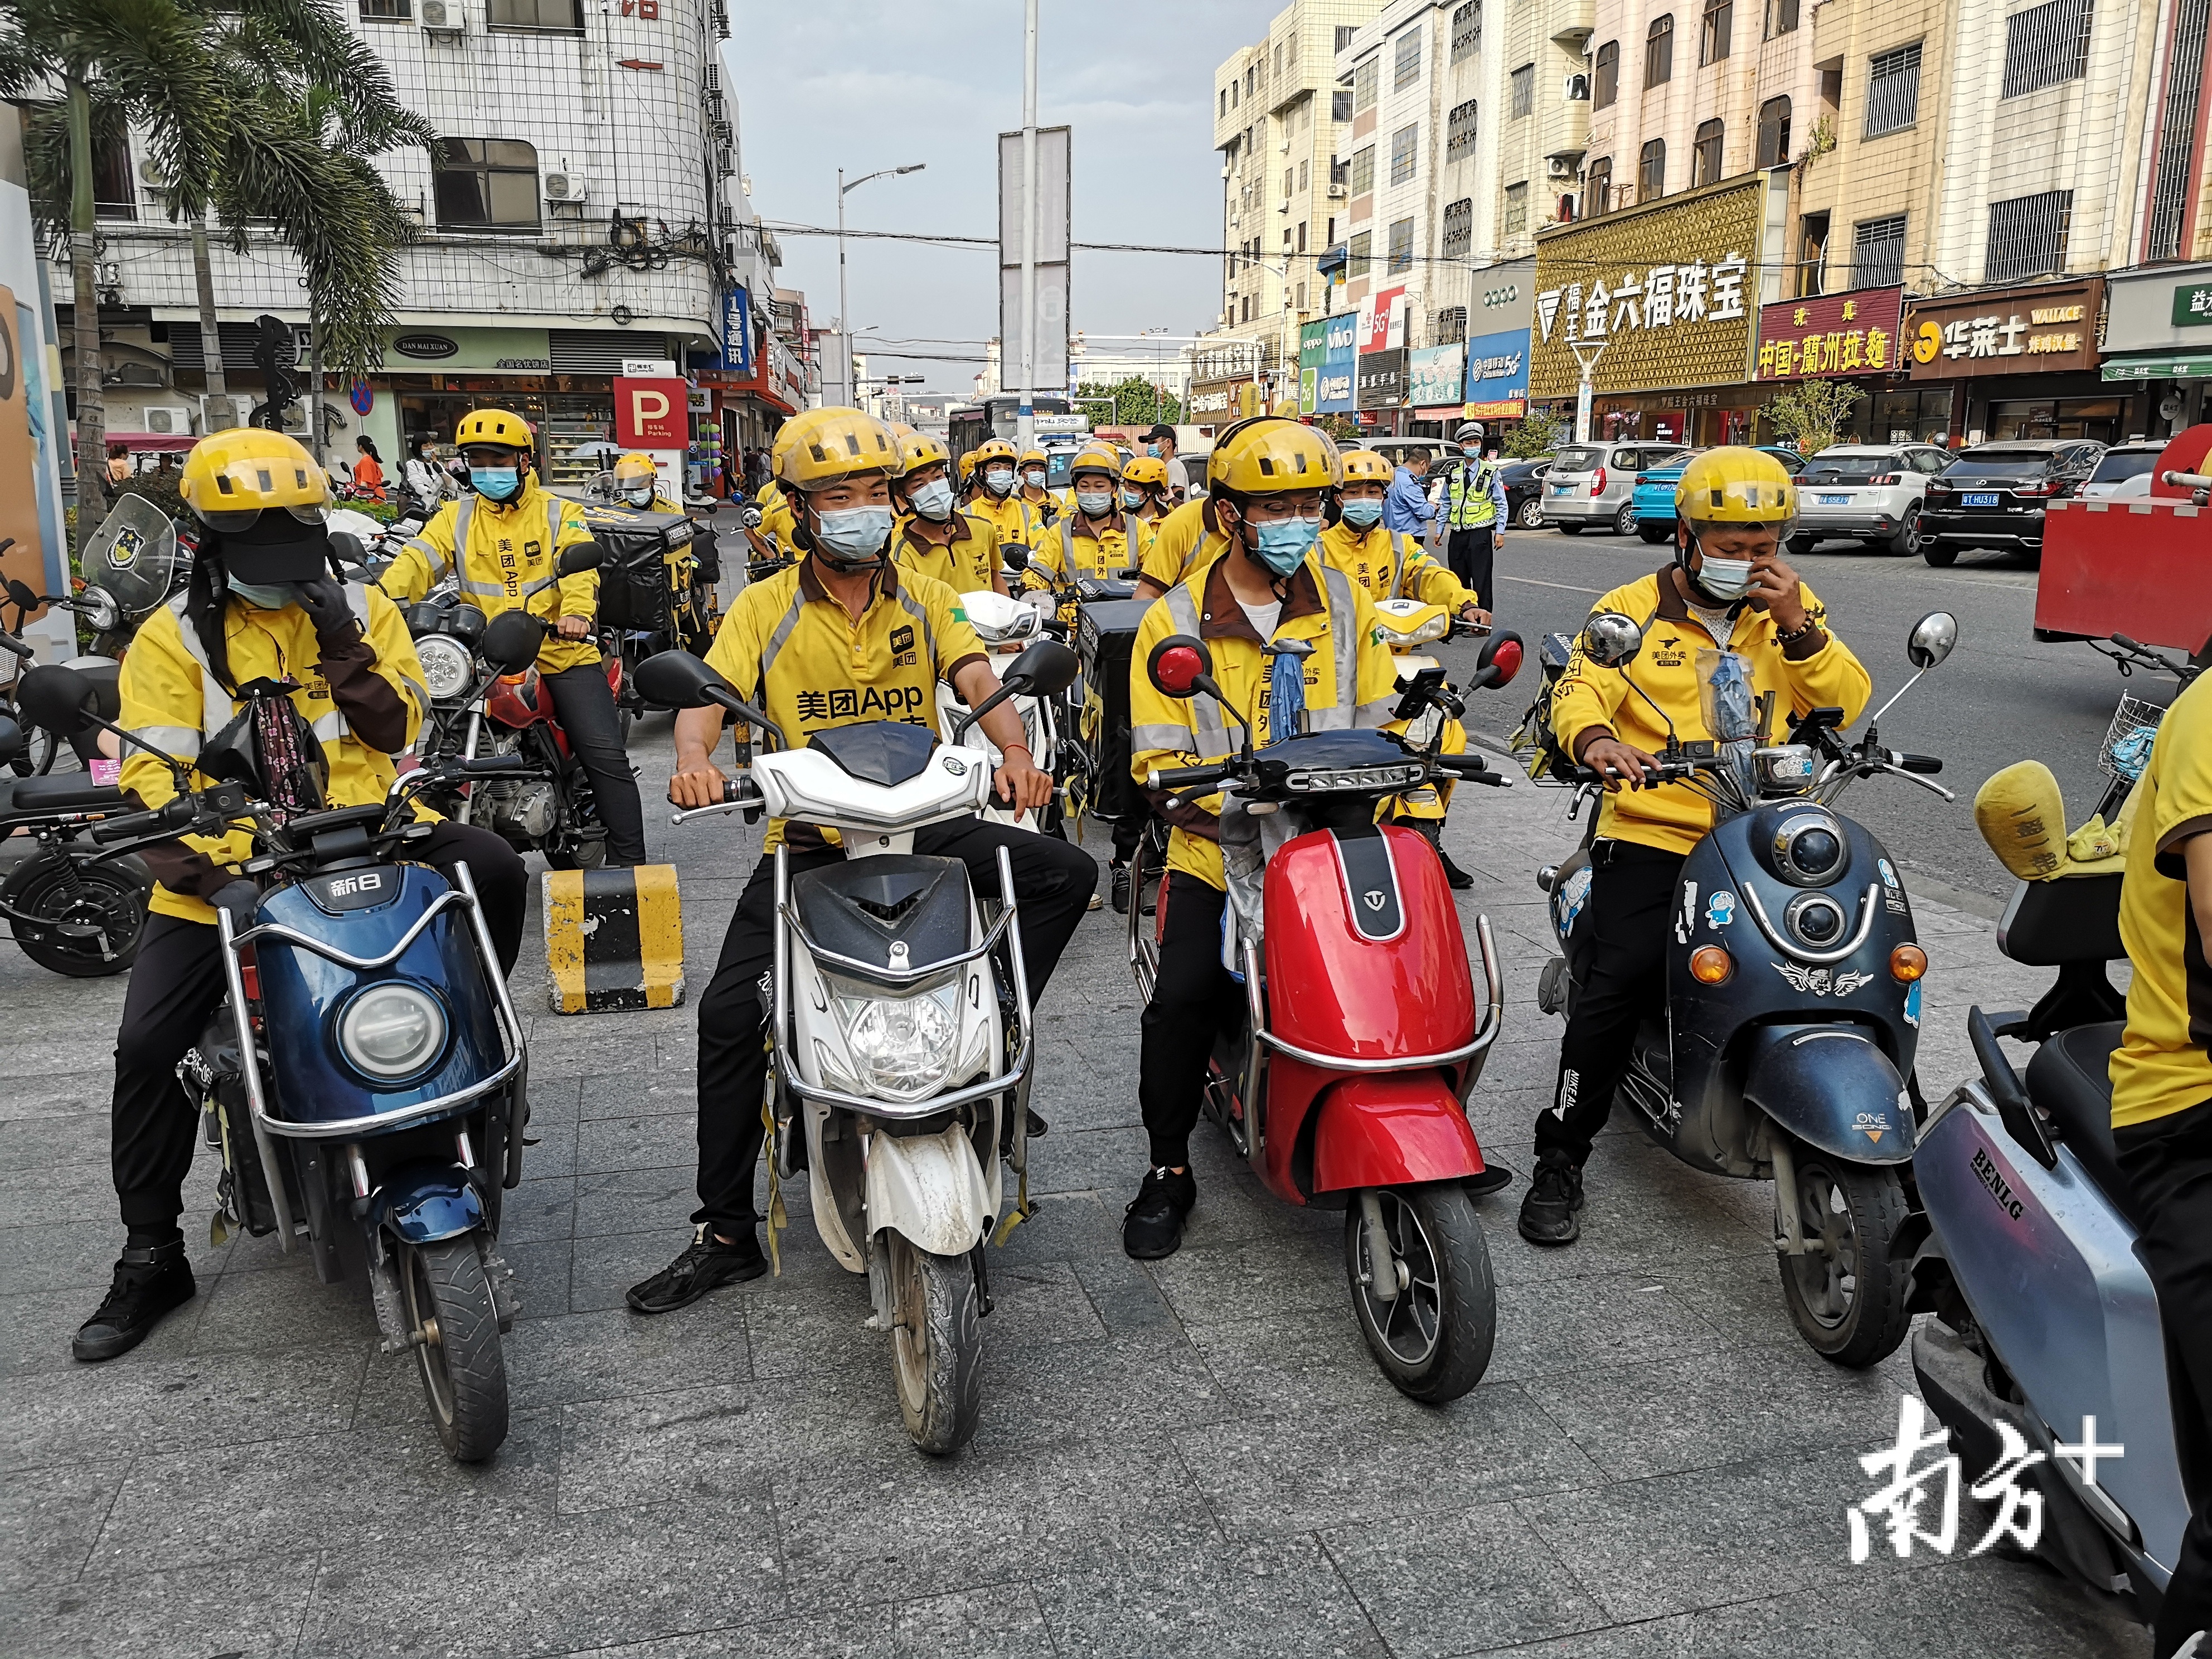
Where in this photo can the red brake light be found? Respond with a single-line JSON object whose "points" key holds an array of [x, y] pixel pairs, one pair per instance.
{"points": [[1597, 484], [1886, 478]]}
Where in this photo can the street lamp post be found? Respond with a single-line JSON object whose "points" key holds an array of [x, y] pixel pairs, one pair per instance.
{"points": [[844, 314]]}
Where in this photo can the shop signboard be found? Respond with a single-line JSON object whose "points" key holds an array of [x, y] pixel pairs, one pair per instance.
{"points": [[1333, 393], [1313, 352], [1437, 376], [1382, 321], [1216, 401], [1382, 380], [2046, 328], [443, 351], [1669, 290], [1851, 333], [652, 413], [1497, 376], [2192, 305]]}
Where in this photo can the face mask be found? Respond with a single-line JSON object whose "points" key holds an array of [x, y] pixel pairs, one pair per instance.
{"points": [[270, 596], [1363, 514], [998, 479], [496, 483], [1152, 450], [643, 497], [1722, 580], [1283, 546], [1034, 479], [1472, 452], [1133, 499], [1094, 502], [934, 499], [855, 537]]}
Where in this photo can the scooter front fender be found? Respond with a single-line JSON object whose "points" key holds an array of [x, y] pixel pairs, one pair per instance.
{"points": [[426, 1202], [930, 1189], [1392, 1130], [1832, 1087]]}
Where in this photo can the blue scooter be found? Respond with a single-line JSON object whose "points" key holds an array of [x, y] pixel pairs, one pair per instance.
{"points": [[364, 1078]]}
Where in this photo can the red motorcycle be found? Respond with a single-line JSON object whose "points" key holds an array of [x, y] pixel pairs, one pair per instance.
{"points": [[1345, 1083]]}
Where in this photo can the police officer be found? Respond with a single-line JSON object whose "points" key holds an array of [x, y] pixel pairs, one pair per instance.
{"points": [[932, 538], [1475, 512], [1268, 479], [262, 605], [506, 534], [841, 637], [1728, 589]]}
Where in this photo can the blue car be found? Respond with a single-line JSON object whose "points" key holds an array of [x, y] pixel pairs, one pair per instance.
{"points": [[1653, 496]]}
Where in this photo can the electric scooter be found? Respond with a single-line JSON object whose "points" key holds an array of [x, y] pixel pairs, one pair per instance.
{"points": [[1005, 624]]}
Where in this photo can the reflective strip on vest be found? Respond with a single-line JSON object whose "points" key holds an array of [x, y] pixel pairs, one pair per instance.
{"points": [[915, 609], [178, 740], [357, 602], [1397, 564], [212, 694], [440, 565], [1473, 514]]}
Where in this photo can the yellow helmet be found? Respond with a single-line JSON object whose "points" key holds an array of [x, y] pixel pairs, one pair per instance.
{"points": [[901, 429], [636, 464], [1269, 455], [231, 477], [824, 446], [1365, 466], [1097, 458], [1147, 472], [1735, 486], [964, 466], [1033, 454], [919, 449], [494, 426]]}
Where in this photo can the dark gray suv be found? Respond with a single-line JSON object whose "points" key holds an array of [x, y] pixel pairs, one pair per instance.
{"points": [[1994, 495]]}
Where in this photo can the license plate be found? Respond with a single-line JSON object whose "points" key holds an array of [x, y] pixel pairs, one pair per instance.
{"points": [[1980, 498], [1834, 500], [1561, 490]]}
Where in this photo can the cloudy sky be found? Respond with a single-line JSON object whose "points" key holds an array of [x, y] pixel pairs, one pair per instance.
{"points": [[861, 84]]}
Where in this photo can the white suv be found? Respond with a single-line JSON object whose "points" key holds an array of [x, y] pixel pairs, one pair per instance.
{"points": [[1870, 492]]}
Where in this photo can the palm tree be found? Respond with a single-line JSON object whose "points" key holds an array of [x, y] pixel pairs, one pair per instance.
{"points": [[263, 113]]}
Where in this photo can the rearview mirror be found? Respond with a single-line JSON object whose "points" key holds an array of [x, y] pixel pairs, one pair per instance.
{"points": [[1014, 557], [1931, 640], [18, 594], [1177, 664], [1611, 639], [346, 548], [512, 641], [1045, 669], [583, 555], [1500, 659], [676, 679], [59, 700]]}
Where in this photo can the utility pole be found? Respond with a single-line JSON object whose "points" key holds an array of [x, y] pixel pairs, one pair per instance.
{"points": [[1026, 421], [1586, 355], [844, 314]]}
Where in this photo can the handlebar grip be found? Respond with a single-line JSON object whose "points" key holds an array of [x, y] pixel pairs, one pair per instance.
{"points": [[9, 643], [176, 814], [2125, 642], [485, 765], [1184, 777], [1926, 765]]}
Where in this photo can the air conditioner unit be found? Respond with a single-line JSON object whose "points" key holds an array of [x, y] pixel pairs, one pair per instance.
{"points": [[714, 76], [151, 172], [1560, 166], [169, 420], [1575, 89], [567, 189], [225, 413], [1337, 192], [444, 17], [1282, 207]]}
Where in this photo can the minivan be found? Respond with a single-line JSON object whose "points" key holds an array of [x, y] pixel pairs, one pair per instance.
{"points": [[1593, 485]]}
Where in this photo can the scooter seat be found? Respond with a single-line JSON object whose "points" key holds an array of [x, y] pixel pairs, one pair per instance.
{"points": [[24, 796], [2071, 1079]]}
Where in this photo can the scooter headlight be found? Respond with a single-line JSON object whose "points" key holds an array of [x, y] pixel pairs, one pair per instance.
{"points": [[447, 665], [100, 610], [392, 1030], [1809, 849], [904, 1046], [1420, 633]]}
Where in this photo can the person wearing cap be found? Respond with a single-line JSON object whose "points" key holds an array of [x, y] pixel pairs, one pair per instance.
{"points": [[1727, 589], [844, 636], [265, 603], [1044, 504], [636, 487], [1474, 512], [1159, 445], [501, 537], [1268, 479], [934, 538]]}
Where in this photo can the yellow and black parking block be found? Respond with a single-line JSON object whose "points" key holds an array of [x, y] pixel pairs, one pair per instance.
{"points": [[614, 938]]}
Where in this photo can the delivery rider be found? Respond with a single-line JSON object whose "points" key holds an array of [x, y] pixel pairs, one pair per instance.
{"points": [[1044, 504], [1145, 493], [262, 605], [636, 485], [844, 636], [931, 537], [507, 534], [990, 494], [1095, 539], [1267, 481]]}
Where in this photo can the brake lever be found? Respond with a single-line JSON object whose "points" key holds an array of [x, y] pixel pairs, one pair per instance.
{"points": [[1929, 784]]}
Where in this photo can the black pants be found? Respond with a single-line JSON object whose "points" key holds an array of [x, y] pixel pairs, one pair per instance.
{"points": [[176, 986], [2168, 1164], [586, 709], [1632, 896], [1053, 885], [1192, 999], [1470, 554]]}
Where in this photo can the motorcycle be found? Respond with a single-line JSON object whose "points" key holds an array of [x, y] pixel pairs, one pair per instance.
{"points": [[488, 699], [1346, 1084], [1785, 1049], [365, 1075], [132, 559], [900, 1060]]}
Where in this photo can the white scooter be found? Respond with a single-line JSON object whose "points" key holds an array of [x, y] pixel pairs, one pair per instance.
{"points": [[1005, 624], [892, 1051]]}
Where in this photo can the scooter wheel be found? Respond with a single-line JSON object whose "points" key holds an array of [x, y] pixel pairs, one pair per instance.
{"points": [[937, 1346], [1846, 1294], [105, 895], [1433, 1338], [456, 1325]]}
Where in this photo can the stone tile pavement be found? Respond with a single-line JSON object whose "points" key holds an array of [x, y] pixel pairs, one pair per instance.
{"points": [[1194, 1456]]}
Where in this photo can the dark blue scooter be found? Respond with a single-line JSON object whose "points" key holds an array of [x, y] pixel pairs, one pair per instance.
{"points": [[1793, 1001]]}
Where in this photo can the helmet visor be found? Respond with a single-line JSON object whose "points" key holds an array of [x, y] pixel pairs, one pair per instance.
{"points": [[233, 521]]}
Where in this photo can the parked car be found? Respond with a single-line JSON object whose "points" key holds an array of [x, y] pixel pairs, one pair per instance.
{"points": [[1524, 490], [1590, 485], [1869, 492], [1994, 495], [1654, 495], [2124, 470]]}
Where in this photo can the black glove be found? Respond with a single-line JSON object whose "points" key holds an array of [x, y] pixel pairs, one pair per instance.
{"points": [[237, 900], [325, 602]]}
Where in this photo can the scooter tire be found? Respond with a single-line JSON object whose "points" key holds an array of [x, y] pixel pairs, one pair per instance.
{"points": [[937, 1346], [1462, 1321], [1863, 1207], [463, 1367], [116, 891]]}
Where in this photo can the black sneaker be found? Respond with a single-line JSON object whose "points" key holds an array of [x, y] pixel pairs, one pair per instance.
{"points": [[1459, 879], [1555, 1193], [148, 1284], [1152, 1227], [1120, 888], [706, 1264]]}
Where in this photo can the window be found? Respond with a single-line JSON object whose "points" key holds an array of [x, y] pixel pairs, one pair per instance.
{"points": [[1362, 170], [1223, 110], [1409, 66], [564, 15], [1705, 154], [1659, 53], [1450, 325], [1401, 246], [1404, 153], [1467, 30], [1366, 81], [1878, 252], [1459, 231], [1893, 90], [1608, 75], [1458, 132], [1812, 256], [1290, 180], [1522, 82], [1279, 62], [1597, 190], [1292, 51], [1339, 105], [1303, 177], [1232, 94], [1248, 309], [1781, 17], [1652, 172], [2044, 46], [1773, 132], [484, 184], [1302, 296], [1714, 29], [1517, 209], [1302, 236], [385, 11], [1358, 255], [2028, 236], [1344, 33], [113, 194], [2171, 183]]}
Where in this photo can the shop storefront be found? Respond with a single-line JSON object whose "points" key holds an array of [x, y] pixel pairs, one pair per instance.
{"points": [[1855, 336], [2017, 362], [2158, 345], [1497, 377], [1335, 389], [1437, 388], [1381, 391], [1216, 402]]}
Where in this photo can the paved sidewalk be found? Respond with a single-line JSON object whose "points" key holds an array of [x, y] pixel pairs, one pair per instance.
{"points": [[1194, 1457]]}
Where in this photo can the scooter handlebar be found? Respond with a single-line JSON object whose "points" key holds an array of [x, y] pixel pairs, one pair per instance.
{"points": [[738, 794], [1185, 777], [171, 814]]}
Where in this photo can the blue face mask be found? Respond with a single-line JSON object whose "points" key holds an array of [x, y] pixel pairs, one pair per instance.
{"points": [[1363, 514], [1283, 546], [270, 596], [496, 483], [1472, 452], [1133, 498], [1152, 450]]}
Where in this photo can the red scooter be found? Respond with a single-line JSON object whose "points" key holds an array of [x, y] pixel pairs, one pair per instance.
{"points": [[1345, 1083]]}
